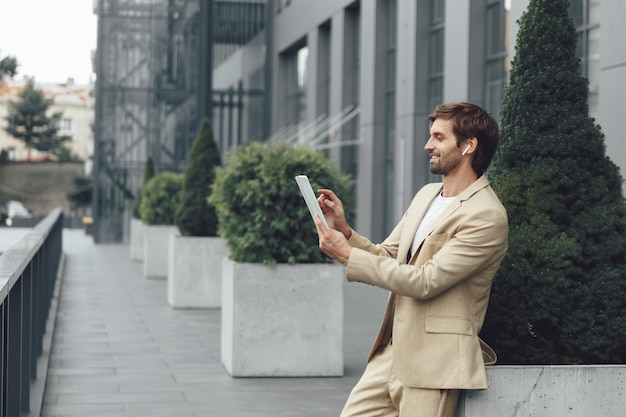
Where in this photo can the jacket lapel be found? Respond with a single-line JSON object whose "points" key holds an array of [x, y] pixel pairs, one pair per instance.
{"points": [[479, 184], [414, 217]]}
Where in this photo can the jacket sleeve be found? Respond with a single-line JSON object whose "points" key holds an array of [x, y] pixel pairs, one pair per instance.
{"points": [[388, 248], [462, 247]]}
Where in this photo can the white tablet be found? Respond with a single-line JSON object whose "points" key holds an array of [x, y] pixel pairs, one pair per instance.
{"points": [[309, 197]]}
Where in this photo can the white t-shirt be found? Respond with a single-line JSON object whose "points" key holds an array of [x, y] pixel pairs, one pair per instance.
{"points": [[437, 206]]}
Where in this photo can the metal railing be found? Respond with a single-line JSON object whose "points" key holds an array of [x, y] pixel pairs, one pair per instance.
{"points": [[316, 131], [28, 272]]}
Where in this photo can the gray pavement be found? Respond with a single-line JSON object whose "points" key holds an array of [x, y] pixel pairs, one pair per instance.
{"points": [[119, 349]]}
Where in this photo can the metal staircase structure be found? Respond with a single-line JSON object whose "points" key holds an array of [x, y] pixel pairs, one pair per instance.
{"points": [[154, 64]]}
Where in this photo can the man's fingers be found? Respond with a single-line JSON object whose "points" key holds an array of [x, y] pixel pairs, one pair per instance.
{"points": [[321, 227], [328, 193], [330, 204]]}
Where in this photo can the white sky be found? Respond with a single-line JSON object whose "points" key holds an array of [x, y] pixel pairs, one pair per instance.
{"points": [[52, 40]]}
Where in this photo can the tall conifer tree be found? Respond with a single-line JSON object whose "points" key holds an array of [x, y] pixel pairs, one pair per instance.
{"points": [[559, 296], [148, 173], [28, 121], [195, 217]]}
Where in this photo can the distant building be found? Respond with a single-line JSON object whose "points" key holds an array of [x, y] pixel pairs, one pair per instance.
{"points": [[75, 101]]}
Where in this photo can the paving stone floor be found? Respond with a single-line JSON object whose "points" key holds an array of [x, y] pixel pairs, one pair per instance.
{"points": [[119, 349]]}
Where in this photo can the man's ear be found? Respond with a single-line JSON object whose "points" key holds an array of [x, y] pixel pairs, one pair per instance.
{"points": [[469, 146]]}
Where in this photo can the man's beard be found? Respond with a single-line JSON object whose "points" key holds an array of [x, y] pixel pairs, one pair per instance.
{"points": [[447, 164]]}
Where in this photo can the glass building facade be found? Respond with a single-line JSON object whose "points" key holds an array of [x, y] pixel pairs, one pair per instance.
{"points": [[353, 78]]}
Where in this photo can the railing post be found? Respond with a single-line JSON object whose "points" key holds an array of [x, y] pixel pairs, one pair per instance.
{"points": [[36, 307], [3, 364], [14, 357], [26, 332]]}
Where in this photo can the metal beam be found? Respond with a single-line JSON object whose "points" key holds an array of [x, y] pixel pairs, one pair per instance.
{"points": [[205, 103]]}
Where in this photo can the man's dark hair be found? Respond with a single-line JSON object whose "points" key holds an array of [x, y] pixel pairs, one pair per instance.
{"points": [[471, 121]]}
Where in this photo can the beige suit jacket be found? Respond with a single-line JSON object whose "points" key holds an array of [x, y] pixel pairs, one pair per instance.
{"points": [[439, 298]]}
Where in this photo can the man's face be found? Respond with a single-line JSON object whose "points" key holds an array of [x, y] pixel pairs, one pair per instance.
{"points": [[444, 153]]}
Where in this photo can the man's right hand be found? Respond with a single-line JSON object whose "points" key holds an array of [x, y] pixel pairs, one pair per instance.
{"points": [[332, 207]]}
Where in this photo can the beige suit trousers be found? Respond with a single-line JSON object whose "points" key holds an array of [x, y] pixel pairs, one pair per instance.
{"points": [[380, 394]]}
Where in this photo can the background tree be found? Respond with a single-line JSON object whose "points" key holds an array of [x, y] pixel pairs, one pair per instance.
{"points": [[195, 217], [148, 173], [29, 122], [559, 294], [8, 67]]}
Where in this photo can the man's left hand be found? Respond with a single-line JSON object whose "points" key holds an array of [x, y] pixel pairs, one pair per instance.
{"points": [[332, 242]]}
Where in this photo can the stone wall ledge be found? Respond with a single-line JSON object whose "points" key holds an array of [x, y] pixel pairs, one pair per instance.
{"points": [[549, 391]]}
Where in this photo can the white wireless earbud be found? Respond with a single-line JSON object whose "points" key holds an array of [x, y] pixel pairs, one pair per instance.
{"points": [[466, 149]]}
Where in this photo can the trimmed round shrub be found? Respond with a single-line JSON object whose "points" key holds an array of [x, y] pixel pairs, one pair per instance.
{"points": [[160, 198], [260, 210]]}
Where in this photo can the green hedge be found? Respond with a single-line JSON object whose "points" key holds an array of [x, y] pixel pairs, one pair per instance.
{"points": [[260, 210], [160, 197]]}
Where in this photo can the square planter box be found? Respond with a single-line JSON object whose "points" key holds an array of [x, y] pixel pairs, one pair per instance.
{"points": [[283, 320], [136, 239], [155, 250], [194, 278]]}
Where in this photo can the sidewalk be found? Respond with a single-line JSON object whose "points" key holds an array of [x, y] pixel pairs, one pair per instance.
{"points": [[119, 349]]}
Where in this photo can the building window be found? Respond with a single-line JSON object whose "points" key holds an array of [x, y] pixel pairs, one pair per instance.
{"points": [[436, 49], [586, 15], [323, 75], [65, 127], [351, 79], [11, 153], [295, 70], [496, 56], [390, 110], [254, 106], [435, 71]]}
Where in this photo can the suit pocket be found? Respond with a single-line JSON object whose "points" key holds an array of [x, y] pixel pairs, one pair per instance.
{"points": [[450, 325], [431, 245]]}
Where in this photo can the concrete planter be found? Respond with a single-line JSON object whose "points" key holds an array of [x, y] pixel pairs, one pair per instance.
{"points": [[136, 239], [282, 321], [550, 391], [194, 278], [155, 250]]}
